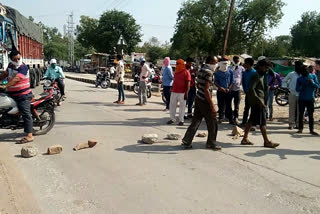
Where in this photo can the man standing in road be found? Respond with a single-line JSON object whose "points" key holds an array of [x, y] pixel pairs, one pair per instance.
{"points": [[112, 72], [144, 75], [120, 80], [256, 101], [237, 71], [55, 72], [223, 79], [204, 108], [290, 81], [193, 90], [167, 80], [179, 92], [306, 86], [18, 88], [246, 76]]}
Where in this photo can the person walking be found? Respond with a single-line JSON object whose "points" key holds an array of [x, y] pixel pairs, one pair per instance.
{"points": [[246, 76], [179, 92], [255, 98], [204, 108], [223, 80], [144, 75], [274, 80], [235, 93], [120, 80], [306, 85], [18, 87], [167, 80], [290, 81], [193, 90]]}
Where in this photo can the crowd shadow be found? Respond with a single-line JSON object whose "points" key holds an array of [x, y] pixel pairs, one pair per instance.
{"points": [[283, 153], [10, 137]]}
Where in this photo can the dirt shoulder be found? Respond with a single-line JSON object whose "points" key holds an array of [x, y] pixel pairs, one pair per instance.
{"points": [[15, 195]]}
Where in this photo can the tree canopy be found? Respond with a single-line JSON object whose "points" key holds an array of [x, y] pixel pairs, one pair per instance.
{"points": [[306, 34], [103, 34], [200, 26]]}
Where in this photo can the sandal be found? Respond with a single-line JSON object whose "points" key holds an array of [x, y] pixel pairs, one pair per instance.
{"points": [[24, 141], [271, 145], [246, 142]]}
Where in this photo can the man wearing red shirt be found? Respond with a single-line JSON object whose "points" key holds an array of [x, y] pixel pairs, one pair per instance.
{"points": [[179, 93]]}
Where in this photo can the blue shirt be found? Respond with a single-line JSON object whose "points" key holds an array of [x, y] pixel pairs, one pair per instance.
{"points": [[167, 76], [54, 73], [307, 88], [223, 79], [246, 76]]}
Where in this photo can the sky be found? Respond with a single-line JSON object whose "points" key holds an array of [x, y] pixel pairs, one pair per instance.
{"points": [[157, 17]]}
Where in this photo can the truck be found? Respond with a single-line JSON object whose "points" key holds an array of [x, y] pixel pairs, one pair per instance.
{"points": [[20, 32]]}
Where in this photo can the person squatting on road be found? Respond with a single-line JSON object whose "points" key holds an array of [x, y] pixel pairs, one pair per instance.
{"points": [[55, 72], [204, 108], [18, 88], [144, 76], [307, 84], [290, 81], [255, 98], [120, 80], [179, 92], [167, 80]]}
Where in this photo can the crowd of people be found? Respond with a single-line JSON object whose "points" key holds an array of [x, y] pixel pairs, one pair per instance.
{"points": [[191, 86]]}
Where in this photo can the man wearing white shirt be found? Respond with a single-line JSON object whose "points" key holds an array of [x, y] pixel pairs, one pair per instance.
{"points": [[290, 82], [144, 75], [120, 80]]}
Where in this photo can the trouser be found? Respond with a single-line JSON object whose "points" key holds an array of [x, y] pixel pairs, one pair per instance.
{"points": [[142, 92], [202, 110], [191, 96], [236, 97], [166, 94], [61, 86], [121, 96], [174, 100], [270, 104], [309, 105], [224, 105], [24, 106], [293, 110], [246, 110]]}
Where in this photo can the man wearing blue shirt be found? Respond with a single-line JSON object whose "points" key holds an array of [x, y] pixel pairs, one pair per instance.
{"points": [[167, 80], [223, 79], [54, 72], [306, 86], [246, 76]]}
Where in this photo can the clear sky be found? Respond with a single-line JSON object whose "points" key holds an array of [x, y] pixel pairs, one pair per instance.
{"points": [[157, 17]]}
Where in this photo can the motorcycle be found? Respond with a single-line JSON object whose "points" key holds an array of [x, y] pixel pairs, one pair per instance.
{"points": [[42, 111], [52, 84], [136, 86], [103, 80], [282, 96]]}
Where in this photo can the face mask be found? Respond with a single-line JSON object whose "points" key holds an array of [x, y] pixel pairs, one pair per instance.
{"points": [[17, 64], [213, 67], [223, 66], [53, 66]]}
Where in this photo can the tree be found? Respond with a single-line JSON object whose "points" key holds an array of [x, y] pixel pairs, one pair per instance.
{"points": [[306, 34], [200, 26], [276, 47], [103, 34]]}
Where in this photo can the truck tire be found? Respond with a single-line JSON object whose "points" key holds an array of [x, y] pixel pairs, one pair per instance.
{"points": [[33, 81]]}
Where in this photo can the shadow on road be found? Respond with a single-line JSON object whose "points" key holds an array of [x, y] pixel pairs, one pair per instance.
{"points": [[283, 153], [10, 137]]}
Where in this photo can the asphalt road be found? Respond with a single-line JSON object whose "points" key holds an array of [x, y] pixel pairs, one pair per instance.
{"points": [[120, 175]]}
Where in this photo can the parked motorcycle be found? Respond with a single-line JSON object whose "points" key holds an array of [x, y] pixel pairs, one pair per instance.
{"points": [[282, 96], [103, 79], [136, 86], [42, 111]]}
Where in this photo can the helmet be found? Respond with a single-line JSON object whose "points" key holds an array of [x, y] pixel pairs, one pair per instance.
{"points": [[142, 59], [261, 58], [53, 61]]}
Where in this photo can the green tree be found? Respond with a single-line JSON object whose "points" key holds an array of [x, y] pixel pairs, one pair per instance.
{"points": [[306, 34], [154, 49], [276, 47], [200, 26], [103, 34]]}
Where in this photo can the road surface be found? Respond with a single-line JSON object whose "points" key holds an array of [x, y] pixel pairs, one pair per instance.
{"points": [[120, 175]]}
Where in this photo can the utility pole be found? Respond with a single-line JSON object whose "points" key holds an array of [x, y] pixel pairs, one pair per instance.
{"points": [[70, 33], [228, 28]]}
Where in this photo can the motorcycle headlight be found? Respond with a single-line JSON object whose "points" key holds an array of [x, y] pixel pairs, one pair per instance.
{"points": [[47, 83]]}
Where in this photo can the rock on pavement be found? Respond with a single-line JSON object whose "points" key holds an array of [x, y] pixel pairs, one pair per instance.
{"points": [[174, 136], [89, 144], [53, 150], [150, 138], [29, 151]]}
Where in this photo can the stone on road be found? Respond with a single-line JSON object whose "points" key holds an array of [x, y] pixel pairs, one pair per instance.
{"points": [[174, 136], [29, 151], [150, 138], [54, 150]]}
